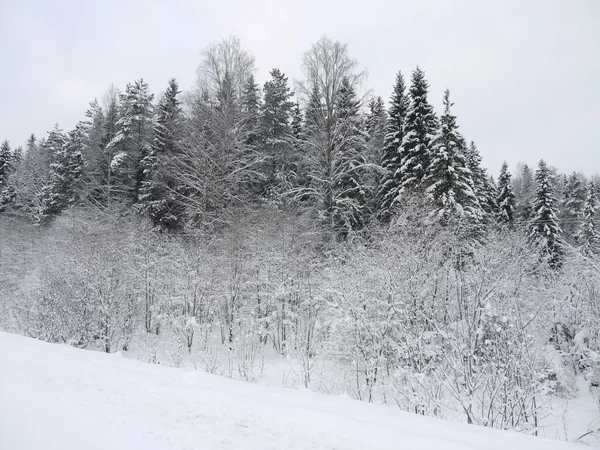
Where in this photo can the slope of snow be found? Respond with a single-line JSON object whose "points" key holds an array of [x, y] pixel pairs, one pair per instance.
{"points": [[58, 397]]}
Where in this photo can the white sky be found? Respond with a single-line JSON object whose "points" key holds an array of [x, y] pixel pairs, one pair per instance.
{"points": [[524, 75]]}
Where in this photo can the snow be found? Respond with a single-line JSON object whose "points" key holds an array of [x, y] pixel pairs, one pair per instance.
{"points": [[58, 397]]}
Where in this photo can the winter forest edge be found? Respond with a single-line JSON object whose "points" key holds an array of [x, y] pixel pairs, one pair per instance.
{"points": [[358, 241]]}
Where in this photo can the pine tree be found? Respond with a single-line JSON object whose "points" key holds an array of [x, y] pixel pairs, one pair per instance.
{"points": [[315, 114], [588, 238], [133, 137], [375, 128], [448, 179], [348, 196], [419, 129], [484, 188], [544, 228], [506, 196], [390, 158], [574, 199], [524, 194], [65, 172], [276, 132], [375, 124], [297, 126], [157, 195], [6, 165], [251, 107]]}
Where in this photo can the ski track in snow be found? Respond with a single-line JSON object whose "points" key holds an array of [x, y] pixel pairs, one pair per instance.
{"points": [[55, 397]]}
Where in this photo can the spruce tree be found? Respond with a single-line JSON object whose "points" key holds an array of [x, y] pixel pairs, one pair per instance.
{"points": [[276, 132], [588, 238], [484, 187], [506, 196], [158, 189], [5, 163], [133, 138], [348, 196], [575, 195], [390, 158], [65, 172], [250, 107], [420, 126], [544, 228], [315, 114], [375, 128], [524, 194], [448, 179], [6, 193], [297, 126]]}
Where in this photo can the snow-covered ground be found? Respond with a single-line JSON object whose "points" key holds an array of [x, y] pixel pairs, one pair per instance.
{"points": [[59, 397]]}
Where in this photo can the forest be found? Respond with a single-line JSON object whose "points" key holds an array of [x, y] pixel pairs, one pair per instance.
{"points": [[360, 241]]}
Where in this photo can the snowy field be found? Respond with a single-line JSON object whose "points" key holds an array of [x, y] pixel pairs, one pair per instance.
{"points": [[58, 397]]}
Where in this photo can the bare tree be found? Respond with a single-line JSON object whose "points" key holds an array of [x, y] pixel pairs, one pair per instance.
{"points": [[225, 59]]}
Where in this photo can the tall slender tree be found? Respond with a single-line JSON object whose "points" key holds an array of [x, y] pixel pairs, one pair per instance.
{"points": [[390, 158], [448, 179], [158, 189], [574, 200], [65, 173], [506, 196], [276, 132], [133, 137], [420, 127], [484, 187], [588, 237], [544, 228]]}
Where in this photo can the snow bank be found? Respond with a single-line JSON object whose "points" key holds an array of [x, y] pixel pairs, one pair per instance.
{"points": [[59, 397]]}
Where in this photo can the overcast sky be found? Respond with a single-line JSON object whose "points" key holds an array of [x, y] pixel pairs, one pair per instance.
{"points": [[524, 75]]}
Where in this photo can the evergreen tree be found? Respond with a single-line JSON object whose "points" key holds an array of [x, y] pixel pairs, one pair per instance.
{"points": [[524, 194], [158, 196], [297, 126], [251, 106], [390, 159], [133, 137], [419, 129], [276, 132], [544, 228], [6, 163], [315, 114], [574, 200], [448, 179], [485, 190], [65, 172], [375, 128], [506, 196], [588, 238], [348, 196]]}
